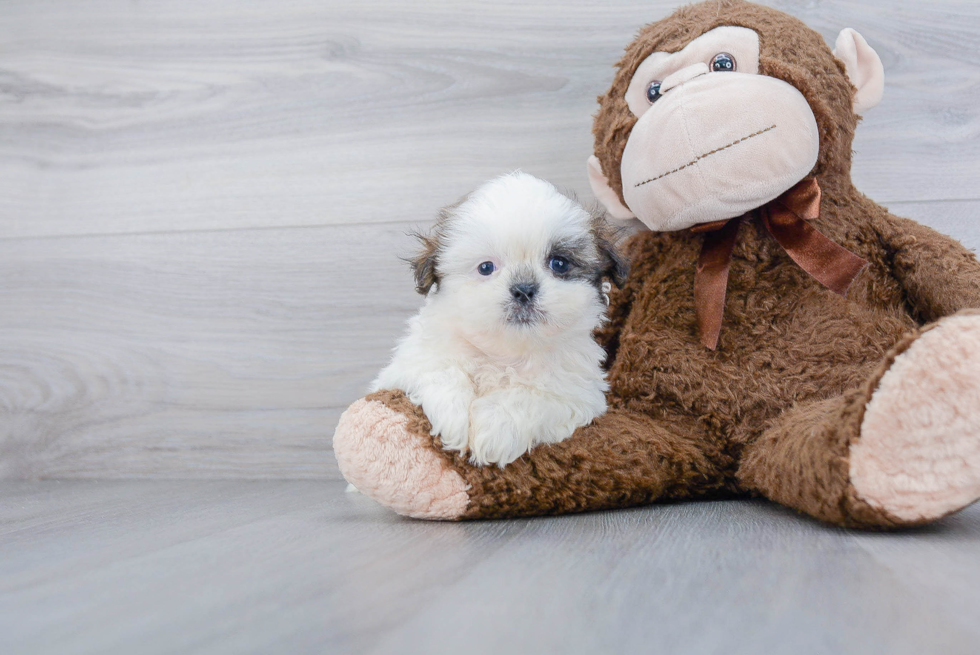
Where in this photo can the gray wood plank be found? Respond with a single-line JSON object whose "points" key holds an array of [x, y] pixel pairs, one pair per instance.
{"points": [[193, 355], [122, 117], [958, 219], [299, 566], [940, 561], [734, 577]]}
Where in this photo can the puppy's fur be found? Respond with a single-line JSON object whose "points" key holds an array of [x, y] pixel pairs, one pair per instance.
{"points": [[502, 361]]}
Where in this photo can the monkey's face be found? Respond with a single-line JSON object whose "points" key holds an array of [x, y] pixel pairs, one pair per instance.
{"points": [[712, 138]]}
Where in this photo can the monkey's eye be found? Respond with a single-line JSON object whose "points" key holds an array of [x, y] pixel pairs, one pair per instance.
{"points": [[653, 92], [723, 63], [486, 268], [559, 265]]}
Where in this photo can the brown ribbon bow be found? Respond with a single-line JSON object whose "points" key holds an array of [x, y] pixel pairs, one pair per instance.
{"points": [[786, 218]]}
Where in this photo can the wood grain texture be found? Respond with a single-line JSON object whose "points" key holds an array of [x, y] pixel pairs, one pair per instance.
{"points": [[202, 203], [158, 116], [301, 567], [192, 354]]}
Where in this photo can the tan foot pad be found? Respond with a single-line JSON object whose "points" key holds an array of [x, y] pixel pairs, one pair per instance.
{"points": [[385, 461], [918, 457]]}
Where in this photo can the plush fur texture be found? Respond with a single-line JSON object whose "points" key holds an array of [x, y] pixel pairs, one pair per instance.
{"points": [[778, 410], [417, 485], [919, 452], [501, 356]]}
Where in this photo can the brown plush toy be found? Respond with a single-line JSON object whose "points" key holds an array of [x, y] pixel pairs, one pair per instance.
{"points": [[781, 335]]}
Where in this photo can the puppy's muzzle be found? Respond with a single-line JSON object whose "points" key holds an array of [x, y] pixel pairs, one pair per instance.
{"points": [[524, 292]]}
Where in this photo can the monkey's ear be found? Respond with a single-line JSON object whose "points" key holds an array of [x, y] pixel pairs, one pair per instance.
{"points": [[863, 67], [424, 264], [604, 193]]}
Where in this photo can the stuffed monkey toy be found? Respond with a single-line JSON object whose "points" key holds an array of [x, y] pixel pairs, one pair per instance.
{"points": [[781, 335]]}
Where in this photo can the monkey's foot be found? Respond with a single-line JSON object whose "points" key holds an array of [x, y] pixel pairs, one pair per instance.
{"points": [[400, 468], [918, 456]]}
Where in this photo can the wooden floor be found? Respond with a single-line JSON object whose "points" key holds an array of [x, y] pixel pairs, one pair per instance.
{"points": [[202, 209], [302, 567]]}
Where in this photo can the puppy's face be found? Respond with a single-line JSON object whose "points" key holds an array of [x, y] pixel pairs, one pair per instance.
{"points": [[517, 256]]}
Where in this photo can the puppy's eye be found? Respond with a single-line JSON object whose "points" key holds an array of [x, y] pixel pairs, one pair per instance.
{"points": [[723, 63], [486, 268], [653, 92], [559, 265]]}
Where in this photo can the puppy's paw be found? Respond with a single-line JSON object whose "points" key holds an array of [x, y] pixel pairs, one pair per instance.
{"points": [[558, 432], [445, 398], [497, 434], [450, 422]]}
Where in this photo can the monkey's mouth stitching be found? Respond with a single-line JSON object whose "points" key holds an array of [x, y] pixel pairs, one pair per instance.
{"points": [[707, 154]]}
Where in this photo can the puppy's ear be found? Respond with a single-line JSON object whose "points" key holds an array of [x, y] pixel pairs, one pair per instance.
{"points": [[613, 264], [617, 267], [424, 263]]}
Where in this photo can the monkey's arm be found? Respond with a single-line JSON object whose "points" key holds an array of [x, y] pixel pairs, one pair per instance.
{"points": [[939, 275], [622, 459]]}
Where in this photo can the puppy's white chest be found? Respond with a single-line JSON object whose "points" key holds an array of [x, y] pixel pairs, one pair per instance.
{"points": [[489, 377]]}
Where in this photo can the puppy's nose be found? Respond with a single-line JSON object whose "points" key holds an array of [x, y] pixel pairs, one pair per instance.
{"points": [[524, 292]]}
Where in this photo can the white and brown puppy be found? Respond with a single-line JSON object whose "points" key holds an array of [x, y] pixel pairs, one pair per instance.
{"points": [[501, 356]]}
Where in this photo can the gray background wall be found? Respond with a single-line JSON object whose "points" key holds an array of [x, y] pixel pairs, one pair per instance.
{"points": [[202, 204]]}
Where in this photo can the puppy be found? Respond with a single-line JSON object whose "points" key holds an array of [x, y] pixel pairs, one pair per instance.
{"points": [[501, 356]]}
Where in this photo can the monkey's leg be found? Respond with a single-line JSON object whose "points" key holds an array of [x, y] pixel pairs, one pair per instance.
{"points": [[383, 447], [902, 450]]}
